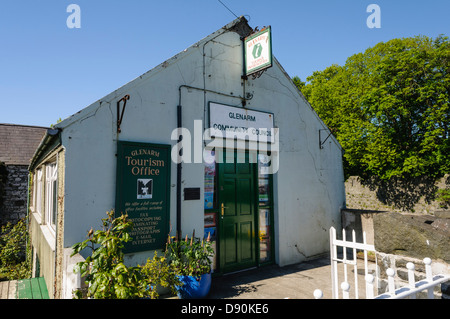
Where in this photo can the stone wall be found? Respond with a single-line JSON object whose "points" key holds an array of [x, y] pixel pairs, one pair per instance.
{"points": [[412, 235], [400, 238], [415, 196], [360, 221], [398, 264], [13, 192]]}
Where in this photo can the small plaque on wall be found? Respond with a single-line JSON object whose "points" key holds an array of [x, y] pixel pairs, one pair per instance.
{"points": [[192, 193]]}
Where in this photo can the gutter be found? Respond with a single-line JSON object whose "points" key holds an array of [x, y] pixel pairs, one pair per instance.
{"points": [[52, 136]]}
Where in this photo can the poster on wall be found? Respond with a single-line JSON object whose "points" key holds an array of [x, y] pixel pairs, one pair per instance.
{"points": [[143, 192], [210, 175]]}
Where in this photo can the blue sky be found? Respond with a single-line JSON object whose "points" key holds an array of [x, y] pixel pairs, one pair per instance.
{"points": [[49, 71]]}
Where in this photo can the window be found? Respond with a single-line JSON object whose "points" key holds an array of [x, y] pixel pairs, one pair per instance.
{"points": [[51, 195], [38, 192]]}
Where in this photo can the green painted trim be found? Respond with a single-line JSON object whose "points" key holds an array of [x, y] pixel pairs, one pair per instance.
{"points": [[33, 288]]}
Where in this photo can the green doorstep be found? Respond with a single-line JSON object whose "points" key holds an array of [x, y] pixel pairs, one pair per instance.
{"points": [[33, 288]]}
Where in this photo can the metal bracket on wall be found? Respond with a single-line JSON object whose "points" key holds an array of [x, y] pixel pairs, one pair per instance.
{"points": [[320, 138], [120, 113]]}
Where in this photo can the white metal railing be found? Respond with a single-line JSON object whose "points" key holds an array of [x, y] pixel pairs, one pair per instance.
{"points": [[334, 244], [413, 287], [371, 280]]}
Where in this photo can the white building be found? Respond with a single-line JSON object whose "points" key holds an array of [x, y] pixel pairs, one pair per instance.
{"points": [[121, 153]]}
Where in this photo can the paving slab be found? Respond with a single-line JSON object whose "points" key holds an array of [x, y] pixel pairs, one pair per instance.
{"points": [[296, 281]]}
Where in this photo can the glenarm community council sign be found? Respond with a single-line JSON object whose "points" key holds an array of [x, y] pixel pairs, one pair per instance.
{"points": [[244, 124], [142, 192], [258, 51]]}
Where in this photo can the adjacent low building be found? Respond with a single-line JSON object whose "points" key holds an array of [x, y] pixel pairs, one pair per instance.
{"points": [[216, 140], [17, 146]]}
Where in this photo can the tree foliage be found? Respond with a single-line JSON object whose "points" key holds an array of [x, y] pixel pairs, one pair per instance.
{"points": [[388, 107], [14, 251]]}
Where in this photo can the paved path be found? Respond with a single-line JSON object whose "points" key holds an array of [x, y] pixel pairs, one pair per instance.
{"points": [[8, 289], [273, 282], [296, 281]]}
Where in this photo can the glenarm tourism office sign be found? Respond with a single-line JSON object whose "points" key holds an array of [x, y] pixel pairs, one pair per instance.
{"points": [[258, 51], [142, 192]]}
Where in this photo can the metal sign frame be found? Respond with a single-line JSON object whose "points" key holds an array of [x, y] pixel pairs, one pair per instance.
{"points": [[258, 51]]}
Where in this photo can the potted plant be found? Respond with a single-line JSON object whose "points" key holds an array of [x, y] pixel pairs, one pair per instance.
{"points": [[192, 259]]}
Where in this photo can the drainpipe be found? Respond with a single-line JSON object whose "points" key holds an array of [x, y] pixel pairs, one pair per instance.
{"points": [[179, 167], [179, 121], [27, 219], [244, 77]]}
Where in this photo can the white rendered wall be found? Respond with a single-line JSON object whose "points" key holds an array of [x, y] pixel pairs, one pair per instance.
{"points": [[308, 188]]}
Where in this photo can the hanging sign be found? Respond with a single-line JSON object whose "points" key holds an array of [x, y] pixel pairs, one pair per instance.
{"points": [[244, 124], [258, 51], [143, 192]]}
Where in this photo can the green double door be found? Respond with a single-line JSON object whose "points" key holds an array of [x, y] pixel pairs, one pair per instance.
{"points": [[237, 212]]}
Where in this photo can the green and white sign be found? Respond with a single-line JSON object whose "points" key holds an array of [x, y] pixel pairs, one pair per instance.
{"points": [[258, 51], [143, 192]]}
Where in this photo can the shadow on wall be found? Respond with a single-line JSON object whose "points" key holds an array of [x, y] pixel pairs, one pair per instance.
{"points": [[404, 194]]}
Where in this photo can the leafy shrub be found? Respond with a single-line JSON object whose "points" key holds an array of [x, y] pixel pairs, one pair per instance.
{"points": [[192, 257], [14, 253], [443, 197], [105, 272], [158, 272]]}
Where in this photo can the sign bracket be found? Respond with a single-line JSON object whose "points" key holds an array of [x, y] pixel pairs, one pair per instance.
{"points": [[320, 138]]}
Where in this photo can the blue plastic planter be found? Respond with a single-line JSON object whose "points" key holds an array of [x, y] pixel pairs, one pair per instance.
{"points": [[193, 288]]}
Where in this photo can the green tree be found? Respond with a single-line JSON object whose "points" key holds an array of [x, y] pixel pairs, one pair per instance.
{"points": [[389, 108]]}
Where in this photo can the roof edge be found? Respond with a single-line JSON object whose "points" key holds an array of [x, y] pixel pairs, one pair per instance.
{"points": [[238, 25], [24, 125], [50, 140]]}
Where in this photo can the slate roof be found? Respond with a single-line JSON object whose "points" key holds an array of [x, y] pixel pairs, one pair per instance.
{"points": [[19, 142]]}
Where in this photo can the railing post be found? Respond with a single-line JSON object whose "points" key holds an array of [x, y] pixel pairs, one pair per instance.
{"points": [[344, 253], [411, 278], [366, 271], [318, 294], [355, 266], [429, 274], [334, 271], [391, 283], [345, 290], [369, 286]]}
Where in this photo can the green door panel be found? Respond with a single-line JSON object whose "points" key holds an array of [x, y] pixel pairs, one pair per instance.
{"points": [[237, 194]]}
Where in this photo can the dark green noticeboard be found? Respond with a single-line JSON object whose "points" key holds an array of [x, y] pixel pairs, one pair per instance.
{"points": [[143, 192]]}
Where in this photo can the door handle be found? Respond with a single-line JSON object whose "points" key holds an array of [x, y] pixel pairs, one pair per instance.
{"points": [[222, 209]]}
